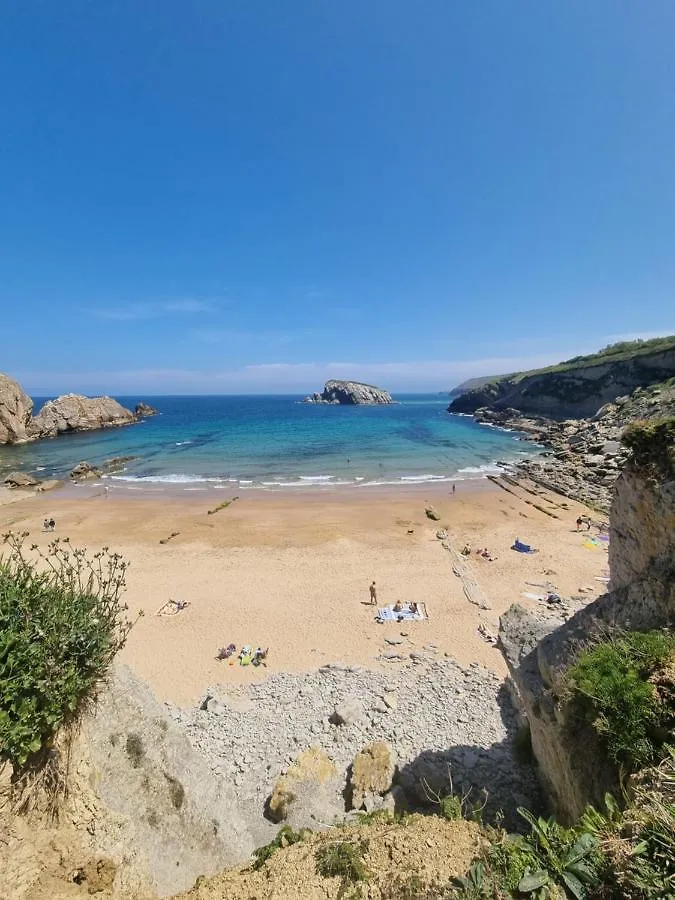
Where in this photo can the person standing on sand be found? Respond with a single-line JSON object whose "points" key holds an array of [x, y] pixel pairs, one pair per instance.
{"points": [[373, 594], [579, 521], [454, 488]]}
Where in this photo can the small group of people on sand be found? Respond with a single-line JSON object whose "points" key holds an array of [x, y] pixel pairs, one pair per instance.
{"points": [[584, 520], [49, 524], [484, 553]]}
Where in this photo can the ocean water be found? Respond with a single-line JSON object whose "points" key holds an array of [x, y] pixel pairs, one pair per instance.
{"points": [[277, 442]]}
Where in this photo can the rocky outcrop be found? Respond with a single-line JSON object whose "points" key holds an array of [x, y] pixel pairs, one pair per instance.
{"points": [[143, 410], [578, 387], [15, 412], [74, 412], [583, 457], [307, 795], [350, 393], [21, 480], [149, 801], [573, 766], [84, 471], [372, 775], [71, 412]]}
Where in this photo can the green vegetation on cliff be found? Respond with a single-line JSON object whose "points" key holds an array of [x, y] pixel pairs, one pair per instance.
{"points": [[652, 446], [576, 387], [61, 623], [615, 690]]}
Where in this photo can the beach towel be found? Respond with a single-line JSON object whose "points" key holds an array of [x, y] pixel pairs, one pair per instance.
{"points": [[388, 614], [590, 544], [522, 548]]}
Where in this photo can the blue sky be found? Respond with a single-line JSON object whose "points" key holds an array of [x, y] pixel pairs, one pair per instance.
{"points": [[238, 197]]}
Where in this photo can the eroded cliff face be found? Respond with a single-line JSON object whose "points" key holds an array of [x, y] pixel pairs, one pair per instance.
{"points": [[576, 392], [15, 411], [572, 765]]}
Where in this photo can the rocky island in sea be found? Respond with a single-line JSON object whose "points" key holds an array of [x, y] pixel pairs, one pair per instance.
{"points": [[350, 393]]}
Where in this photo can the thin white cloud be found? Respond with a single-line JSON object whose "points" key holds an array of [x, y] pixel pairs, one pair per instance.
{"points": [[131, 312], [303, 377]]}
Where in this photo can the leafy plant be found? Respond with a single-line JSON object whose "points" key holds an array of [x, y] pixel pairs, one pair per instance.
{"points": [[548, 861], [284, 838], [612, 693], [343, 859], [61, 623], [567, 858]]}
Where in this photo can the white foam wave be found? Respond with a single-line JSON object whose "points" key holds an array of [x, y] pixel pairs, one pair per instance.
{"points": [[169, 479], [491, 469], [182, 443]]}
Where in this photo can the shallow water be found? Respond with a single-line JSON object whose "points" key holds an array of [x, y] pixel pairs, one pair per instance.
{"points": [[273, 442]]}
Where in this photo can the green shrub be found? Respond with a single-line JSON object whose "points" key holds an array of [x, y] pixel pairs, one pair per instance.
{"points": [[612, 694], [652, 445], [344, 860], [61, 624], [451, 807], [284, 838]]}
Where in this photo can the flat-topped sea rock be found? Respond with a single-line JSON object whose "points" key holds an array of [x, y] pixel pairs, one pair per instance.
{"points": [[350, 393]]}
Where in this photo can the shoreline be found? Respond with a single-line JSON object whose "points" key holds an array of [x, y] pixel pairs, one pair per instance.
{"points": [[291, 571]]}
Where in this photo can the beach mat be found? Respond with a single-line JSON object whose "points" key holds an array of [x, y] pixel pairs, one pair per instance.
{"points": [[387, 614]]}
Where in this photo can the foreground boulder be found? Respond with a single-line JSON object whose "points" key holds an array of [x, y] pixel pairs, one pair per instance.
{"points": [[372, 774], [74, 412], [15, 412], [350, 393], [307, 795]]}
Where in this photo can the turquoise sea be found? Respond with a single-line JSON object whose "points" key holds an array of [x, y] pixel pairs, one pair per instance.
{"points": [[277, 442]]}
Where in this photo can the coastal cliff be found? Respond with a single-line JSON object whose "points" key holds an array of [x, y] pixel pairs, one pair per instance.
{"points": [[15, 411], [350, 393], [575, 388], [573, 764], [70, 412]]}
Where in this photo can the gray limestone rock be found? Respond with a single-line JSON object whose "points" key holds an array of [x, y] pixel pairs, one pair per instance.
{"points": [[350, 393]]}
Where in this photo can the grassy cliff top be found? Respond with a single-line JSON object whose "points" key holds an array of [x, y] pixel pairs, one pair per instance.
{"points": [[613, 353]]}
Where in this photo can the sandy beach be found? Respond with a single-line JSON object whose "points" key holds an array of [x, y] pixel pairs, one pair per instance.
{"points": [[291, 572]]}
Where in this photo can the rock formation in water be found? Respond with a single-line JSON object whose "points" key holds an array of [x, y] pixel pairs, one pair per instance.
{"points": [[15, 411], [143, 410], [74, 412], [350, 393], [572, 763], [70, 412]]}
